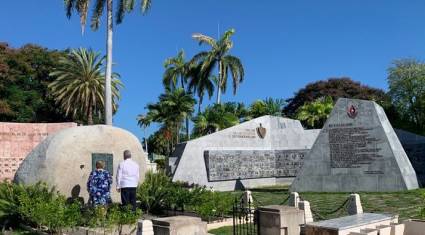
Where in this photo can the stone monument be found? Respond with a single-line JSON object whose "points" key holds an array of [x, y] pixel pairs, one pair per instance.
{"points": [[65, 159], [267, 150], [357, 150], [19, 139], [414, 145]]}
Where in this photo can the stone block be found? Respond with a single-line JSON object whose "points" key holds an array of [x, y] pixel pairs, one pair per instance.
{"points": [[305, 206], [179, 225], [397, 229], [355, 224], [247, 199], [369, 231], [414, 227], [354, 204], [384, 229], [294, 199], [280, 220], [144, 227]]}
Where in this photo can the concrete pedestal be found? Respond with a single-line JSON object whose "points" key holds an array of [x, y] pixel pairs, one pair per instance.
{"points": [[179, 225], [280, 220]]}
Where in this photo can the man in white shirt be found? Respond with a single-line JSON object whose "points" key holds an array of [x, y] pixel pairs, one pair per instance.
{"points": [[127, 180]]}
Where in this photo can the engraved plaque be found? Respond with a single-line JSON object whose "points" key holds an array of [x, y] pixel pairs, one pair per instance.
{"points": [[352, 147], [250, 164], [107, 158]]}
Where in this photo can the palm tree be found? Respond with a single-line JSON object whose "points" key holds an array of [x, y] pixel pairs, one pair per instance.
{"points": [[82, 8], [200, 85], [314, 114], [80, 82], [269, 106], [219, 57], [144, 121], [176, 69], [215, 118], [173, 107]]}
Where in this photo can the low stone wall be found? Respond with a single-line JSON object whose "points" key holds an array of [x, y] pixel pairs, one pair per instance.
{"points": [[17, 140]]}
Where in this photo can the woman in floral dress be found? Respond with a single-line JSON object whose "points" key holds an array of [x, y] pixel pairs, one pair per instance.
{"points": [[99, 185]]}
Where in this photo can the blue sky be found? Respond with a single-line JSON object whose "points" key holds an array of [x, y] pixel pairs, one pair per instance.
{"points": [[283, 44]]}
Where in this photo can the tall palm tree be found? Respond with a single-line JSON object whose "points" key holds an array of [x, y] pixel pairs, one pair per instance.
{"points": [[172, 108], [314, 114], [80, 82], [219, 57], [176, 68], [144, 121], [82, 8], [200, 85]]}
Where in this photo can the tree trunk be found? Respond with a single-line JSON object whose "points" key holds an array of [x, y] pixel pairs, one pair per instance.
{"points": [[90, 115], [108, 74], [146, 141], [182, 82], [199, 105], [187, 128], [177, 134], [219, 83]]}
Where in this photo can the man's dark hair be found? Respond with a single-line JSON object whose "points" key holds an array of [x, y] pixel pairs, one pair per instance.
{"points": [[127, 154]]}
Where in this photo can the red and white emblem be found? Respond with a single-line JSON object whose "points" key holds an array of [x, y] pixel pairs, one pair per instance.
{"points": [[352, 111]]}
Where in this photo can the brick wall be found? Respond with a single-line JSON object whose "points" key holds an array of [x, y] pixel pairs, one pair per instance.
{"points": [[18, 139]]}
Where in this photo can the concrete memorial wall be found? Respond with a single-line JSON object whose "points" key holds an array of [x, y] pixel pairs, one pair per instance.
{"points": [[357, 150], [19, 139], [264, 151]]}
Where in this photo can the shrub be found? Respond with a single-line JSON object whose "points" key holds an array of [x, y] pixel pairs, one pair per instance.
{"points": [[44, 207], [212, 204], [9, 204], [153, 192], [109, 217], [158, 193], [160, 164]]}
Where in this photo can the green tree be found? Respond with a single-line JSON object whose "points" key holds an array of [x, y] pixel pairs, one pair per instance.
{"points": [[124, 6], [335, 88], [216, 118], [269, 106], [315, 114], [171, 109], [159, 142], [176, 68], [200, 84], [406, 80], [144, 121], [219, 57], [24, 76], [80, 83]]}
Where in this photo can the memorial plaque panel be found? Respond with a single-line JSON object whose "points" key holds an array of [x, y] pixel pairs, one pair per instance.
{"points": [[249, 164], [107, 158], [352, 147]]}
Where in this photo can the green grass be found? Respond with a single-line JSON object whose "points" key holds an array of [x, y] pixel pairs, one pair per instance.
{"points": [[227, 230], [407, 204]]}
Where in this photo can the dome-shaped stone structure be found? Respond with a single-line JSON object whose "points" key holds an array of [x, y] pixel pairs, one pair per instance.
{"points": [[65, 159]]}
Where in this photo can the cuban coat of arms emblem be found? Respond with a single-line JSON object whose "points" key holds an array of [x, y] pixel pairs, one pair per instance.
{"points": [[261, 131]]}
